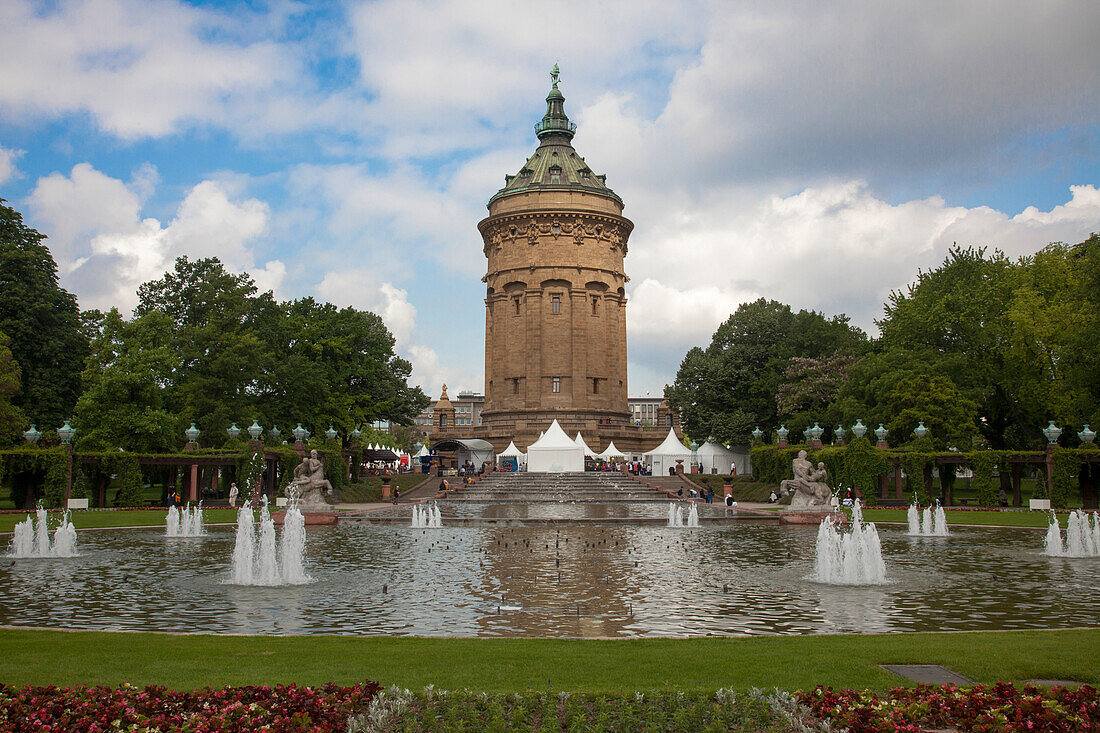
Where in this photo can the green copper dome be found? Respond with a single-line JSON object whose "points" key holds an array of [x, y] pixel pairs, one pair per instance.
{"points": [[555, 164]]}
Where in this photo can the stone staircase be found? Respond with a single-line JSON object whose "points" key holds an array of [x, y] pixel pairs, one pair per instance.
{"points": [[589, 487]]}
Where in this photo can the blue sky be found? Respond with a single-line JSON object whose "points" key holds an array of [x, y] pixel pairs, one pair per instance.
{"points": [[345, 150]]}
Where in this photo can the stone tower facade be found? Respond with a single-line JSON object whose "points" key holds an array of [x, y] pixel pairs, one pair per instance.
{"points": [[555, 302]]}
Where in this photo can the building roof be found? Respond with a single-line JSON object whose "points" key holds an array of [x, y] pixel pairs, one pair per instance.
{"points": [[553, 439], [444, 403], [555, 164], [670, 447]]}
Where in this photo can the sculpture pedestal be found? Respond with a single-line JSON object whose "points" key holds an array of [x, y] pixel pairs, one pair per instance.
{"points": [[808, 516], [312, 516]]}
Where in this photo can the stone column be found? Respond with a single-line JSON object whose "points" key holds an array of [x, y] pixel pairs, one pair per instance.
{"points": [[1017, 498], [1049, 463], [193, 490], [899, 483], [532, 387]]}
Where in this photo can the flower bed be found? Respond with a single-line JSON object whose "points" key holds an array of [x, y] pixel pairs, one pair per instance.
{"points": [[1000, 708], [141, 709], [438, 711]]}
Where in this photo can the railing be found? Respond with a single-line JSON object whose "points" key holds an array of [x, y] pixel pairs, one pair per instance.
{"points": [[551, 125]]}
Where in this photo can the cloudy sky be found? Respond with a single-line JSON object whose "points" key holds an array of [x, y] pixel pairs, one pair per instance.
{"points": [[815, 153]]}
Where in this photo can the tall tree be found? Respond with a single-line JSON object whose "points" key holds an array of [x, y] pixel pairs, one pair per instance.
{"points": [[11, 417], [731, 386], [1014, 338], [213, 314], [43, 322], [127, 385], [337, 366]]}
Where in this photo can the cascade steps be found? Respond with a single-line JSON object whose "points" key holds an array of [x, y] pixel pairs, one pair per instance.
{"points": [[588, 487]]}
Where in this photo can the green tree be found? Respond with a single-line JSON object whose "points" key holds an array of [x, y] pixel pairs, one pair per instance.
{"points": [[810, 389], [220, 359], [336, 366], [900, 391], [11, 417], [126, 386], [43, 322], [732, 385], [1017, 340]]}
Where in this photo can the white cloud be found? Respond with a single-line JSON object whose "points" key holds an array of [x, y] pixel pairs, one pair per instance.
{"points": [[146, 67], [836, 249], [8, 170], [475, 70], [105, 249], [360, 289], [430, 375]]}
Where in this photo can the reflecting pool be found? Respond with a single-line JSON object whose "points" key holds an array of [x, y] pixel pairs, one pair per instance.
{"points": [[599, 580]]}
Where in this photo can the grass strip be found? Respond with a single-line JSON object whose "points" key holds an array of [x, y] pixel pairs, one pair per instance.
{"points": [[92, 519], [983, 518], [41, 656]]}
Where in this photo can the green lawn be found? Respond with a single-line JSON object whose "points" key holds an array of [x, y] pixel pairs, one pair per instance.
{"points": [[88, 519], [370, 488], [512, 665], [984, 518]]}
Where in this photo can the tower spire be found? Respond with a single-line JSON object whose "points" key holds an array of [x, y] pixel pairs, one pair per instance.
{"points": [[555, 125]]}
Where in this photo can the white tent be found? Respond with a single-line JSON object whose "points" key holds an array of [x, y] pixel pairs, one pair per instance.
{"points": [[611, 452], [512, 452], [554, 452], [715, 458], [666, 454], [588, 452], [424, 452]]}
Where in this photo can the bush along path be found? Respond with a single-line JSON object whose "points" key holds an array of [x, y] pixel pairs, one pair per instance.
{"points": [[366, 708]]}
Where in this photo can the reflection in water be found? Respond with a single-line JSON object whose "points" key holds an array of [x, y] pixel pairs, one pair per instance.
{"points": [[605, 580]]}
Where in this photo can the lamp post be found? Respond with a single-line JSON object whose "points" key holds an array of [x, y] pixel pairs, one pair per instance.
{"points": [[34, 434], [301, 435], [233, 431], [255, 430], [1085, 436], [192, 434], [782, 433], [880, 433], [815, 436], [859, 429], [757, 434], [838, 434], [66, 433]]}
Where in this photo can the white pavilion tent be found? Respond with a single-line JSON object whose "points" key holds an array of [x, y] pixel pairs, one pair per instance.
{"points": [[610, 452], [666, 454], [588, 452], [513, 452], [715, 458], [555, 452]]}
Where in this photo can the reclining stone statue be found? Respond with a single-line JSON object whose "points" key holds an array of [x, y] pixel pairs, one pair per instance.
{"points": [[808, 485], [309, 486]]}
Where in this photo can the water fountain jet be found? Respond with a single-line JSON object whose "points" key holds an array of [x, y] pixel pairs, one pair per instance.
{"points": [[184, 523], [1082, 536], [31, 537], [853, 558], [929, 523], [258, 559]]}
